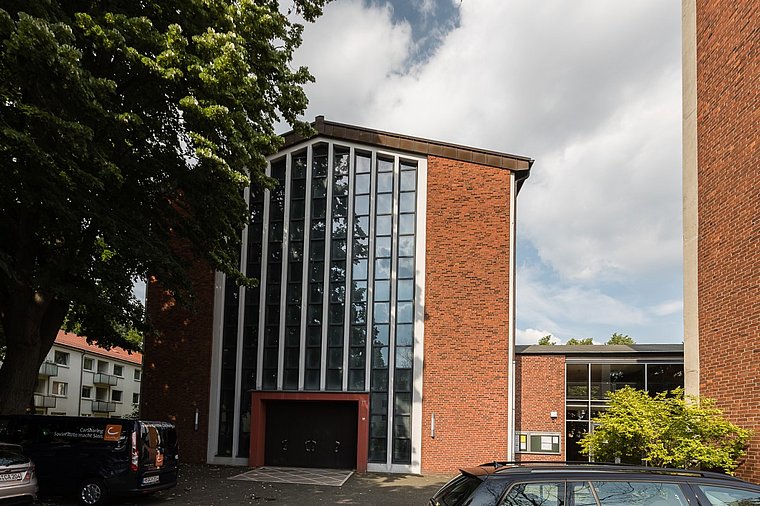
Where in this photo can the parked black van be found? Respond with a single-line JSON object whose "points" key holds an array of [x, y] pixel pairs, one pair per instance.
{"points": [[95, 458]]}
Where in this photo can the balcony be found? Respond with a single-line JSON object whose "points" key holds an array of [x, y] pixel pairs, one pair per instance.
{"points": [[48, 369], [44, 401], [101, 379], [103, 407]]}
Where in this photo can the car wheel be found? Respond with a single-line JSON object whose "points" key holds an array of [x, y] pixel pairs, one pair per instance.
{"points": [[92, 492]]}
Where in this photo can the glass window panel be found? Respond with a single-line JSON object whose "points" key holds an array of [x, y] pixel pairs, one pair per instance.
{"points": [[380, 358], [384, 224], [337, 271], [313, 336], [405, 268], [406, 246], [275, 254], [402, 426], [334, 358], [361, 226], [383, 268], [612, 377], [340, 185], [405, 312], [361, 205], [406, 223], [315, 292], [315, 314], [335, 335], [379, 380], [359, 291], [403, 380], [298, 189], [405, 289], [577, 413], [379, 403], [380, 335], [319, 188], [385, 183], [405, 334], [664, 377], [363, 163], [361, 184], [403, 404], [623, 493], [407, 203], [384, 165], [382, 312], [318, 208], [725, 496], [577, 381], [317, 250], [318, 228], [383, 247], [575, 432], [358, 312], [358, 335], [313, 358], [339, 228], [341, 160], [359, 269], [297, 210], [408, 180], [336, 313], [296, 231], [299, 166], [337, 292], [532, 494], [356, 358], [356, 379], [404, 357], [296, 252], [384, 203], [339, 250], [334, 379], [340, 206], [382, 290], [316, 271], [311, 379]]}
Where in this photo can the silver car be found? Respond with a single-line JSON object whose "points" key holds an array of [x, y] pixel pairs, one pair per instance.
{"points": [[18, 483]]}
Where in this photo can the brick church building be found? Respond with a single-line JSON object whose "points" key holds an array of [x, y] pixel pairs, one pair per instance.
{"points": [[381, 336]]}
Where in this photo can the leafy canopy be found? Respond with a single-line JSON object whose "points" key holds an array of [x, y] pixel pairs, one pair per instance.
{"points": [[668, 430], [584, 341], [546, 340], [127, 128], [620, 339]]}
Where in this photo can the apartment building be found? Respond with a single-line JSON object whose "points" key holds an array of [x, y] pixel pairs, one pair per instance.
{"points": [[81, 379]]}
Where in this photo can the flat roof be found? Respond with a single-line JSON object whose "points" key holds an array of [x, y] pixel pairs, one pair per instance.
{"points": [[414, 145], [599, 349]]}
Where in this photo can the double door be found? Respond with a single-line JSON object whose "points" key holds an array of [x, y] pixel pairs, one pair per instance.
{"points": [[318, 434]]}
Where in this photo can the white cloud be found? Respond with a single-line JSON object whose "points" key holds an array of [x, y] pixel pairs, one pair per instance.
{"points": [[590, 89], [668, 308], [531, 336]]}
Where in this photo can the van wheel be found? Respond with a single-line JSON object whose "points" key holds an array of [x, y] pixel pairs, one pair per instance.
{"points": [[92, 492]]}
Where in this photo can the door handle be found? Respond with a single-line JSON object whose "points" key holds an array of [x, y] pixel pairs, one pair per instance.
{"points": [[337, 446]]}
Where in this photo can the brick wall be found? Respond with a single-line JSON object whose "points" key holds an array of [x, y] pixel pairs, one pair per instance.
{"points": [[465, 378], [539, 390], [728, 121], [177, 362]]}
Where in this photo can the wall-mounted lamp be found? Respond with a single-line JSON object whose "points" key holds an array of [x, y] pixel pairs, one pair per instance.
{"points": [[432, 426], [553, 415], [197, 419]]}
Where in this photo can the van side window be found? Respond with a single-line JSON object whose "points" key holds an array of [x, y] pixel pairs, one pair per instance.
{"points": [[535, 494], [629, 493], [725, 496]]}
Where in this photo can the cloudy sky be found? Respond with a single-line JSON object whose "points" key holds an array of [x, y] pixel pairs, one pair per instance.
{"points": [[591, 89]]}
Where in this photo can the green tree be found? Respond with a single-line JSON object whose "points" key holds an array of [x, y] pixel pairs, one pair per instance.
{"points": [[584, 341], [668, 430], [128, 129], [620, 339], [546, 340]]}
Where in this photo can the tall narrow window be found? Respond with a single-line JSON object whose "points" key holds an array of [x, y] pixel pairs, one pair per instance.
{"points": [[295, 272], [274, 277], [381, 313], [405, 290], [338, 251], [359, 268], [319, 181], [227, 379], [251, 316]]}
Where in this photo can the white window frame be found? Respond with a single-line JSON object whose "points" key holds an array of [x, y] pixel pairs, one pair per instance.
{"points": [[66, 358]]}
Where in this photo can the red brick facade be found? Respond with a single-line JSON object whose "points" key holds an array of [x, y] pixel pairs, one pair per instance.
{"points": [[728, 121], [539, 390], [465, 382], [177, 363]]}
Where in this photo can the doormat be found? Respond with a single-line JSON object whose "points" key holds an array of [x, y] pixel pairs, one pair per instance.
{"points": [[299, 475]]}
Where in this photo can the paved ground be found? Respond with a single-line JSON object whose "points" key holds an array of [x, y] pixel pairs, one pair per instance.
{"points": [[202, 485]]}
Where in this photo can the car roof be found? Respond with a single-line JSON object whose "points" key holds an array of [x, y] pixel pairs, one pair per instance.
{"points": [[536, 469]]}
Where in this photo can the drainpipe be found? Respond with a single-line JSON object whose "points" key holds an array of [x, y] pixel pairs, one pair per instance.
{"points": [[511, 322]]}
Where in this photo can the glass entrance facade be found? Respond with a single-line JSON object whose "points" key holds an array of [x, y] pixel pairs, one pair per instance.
{"points": [[587, 385], [336, 246]]}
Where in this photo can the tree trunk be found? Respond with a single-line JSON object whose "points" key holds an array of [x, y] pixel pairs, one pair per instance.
{"points": [[31, 325]]}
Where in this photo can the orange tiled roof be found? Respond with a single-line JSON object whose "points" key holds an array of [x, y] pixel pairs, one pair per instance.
{"points": [[80, 343]]}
